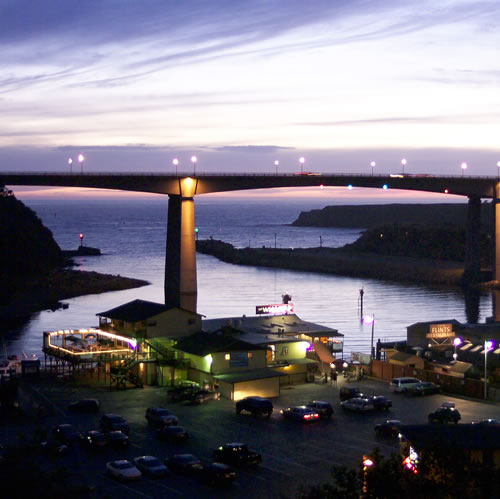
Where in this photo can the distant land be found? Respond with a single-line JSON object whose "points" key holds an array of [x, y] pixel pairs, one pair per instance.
{"points": [[371, 216]]}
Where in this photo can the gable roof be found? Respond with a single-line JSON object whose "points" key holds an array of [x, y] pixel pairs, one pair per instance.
{"points": [[204, 343], [138, 310]]}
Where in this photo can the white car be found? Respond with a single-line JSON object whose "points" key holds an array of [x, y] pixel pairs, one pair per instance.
{"points": [[150, 465], [123, 469]]}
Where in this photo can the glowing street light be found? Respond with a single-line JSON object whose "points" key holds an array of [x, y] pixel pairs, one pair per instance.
{"points": [[302, 160], [194, 159], [70, 163], [403, 163], [464, 167], [373, 164], [175, 162], [81, 239], [498, 164], [276, 164], [456, 342], [488, 345], [81, 159], [370, 319]]}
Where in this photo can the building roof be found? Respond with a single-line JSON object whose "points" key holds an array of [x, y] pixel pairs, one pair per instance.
{"points": [[462, 436], [204, 343], [248, 375], [460, 367], [402, 358], [288, 324], [323, 353], [138, 310]]}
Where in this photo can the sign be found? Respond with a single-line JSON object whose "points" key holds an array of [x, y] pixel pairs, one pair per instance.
{"points": [[440, 331], [362, 358], [238, 359], [278, 309]]}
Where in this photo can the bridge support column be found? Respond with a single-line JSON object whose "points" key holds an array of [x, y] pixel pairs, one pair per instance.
{"points": [[496, 251], [472, 264], [180, 266]]}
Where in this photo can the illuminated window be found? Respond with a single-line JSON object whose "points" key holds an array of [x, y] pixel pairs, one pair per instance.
{"points": [[227, 356], [250, 355]]}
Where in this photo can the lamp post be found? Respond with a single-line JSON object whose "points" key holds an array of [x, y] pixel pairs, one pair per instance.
{"points": [[488, 345], [498, 164], [175, 162], [70, 163], [81, 159], [276, 164], [81, 240], [302, 160], [464, 167], [456, 342], [373, 164], [370, 319], [194, 159], [403, 163]]}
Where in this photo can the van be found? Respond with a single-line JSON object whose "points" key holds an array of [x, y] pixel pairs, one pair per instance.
{"points": [[402, 384]]}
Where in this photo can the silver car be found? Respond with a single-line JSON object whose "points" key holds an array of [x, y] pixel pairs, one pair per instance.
{"points": [[358, 405]]}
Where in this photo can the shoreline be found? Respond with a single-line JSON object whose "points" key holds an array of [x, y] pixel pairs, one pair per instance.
{"points": [[339, 261], [47, 292]]}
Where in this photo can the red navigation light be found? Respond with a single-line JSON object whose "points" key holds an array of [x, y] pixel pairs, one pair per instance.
{"points": [[81, 235], [446, 191]]}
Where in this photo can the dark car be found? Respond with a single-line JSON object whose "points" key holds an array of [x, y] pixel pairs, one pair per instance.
{"points": [[347, 392], [117, 439], [150, 466], [488, 422], [159, 416], [300, 413], [324, 409], [257, 406], [85, 405], [424, 388], [381, 403], [172, 433], [444, 415], [389, 428], [184, 463], [237, 454], [217, 475], [201, 396], [112, 422], [95, 440], [181, 392], [358, 404], [53, 447], [66, 434]]}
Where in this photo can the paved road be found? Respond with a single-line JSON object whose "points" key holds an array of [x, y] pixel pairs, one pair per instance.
{"points": [[293, 454]]}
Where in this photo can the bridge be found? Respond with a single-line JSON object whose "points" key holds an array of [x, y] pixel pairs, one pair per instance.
{"points": [[180, 264]]}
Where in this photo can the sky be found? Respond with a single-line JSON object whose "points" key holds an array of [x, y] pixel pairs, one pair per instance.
{"points": [[243, 83]]}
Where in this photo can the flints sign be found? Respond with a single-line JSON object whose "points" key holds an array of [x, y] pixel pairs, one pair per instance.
{"points": [[439, 331], [279, 309]]}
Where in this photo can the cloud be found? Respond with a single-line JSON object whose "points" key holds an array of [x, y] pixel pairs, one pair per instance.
{"points": [[253, 149]]}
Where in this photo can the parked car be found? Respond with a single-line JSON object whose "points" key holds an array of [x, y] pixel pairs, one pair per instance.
{"points": [[181, 392], [300, 413], [237, 454], [85, 405], [117, 439], [488, 422], [123, 469], [151, 466], [159, 416], [201, 396], [358, 404], [381, 403], [424, 388], [217, 475], [53, 447], [172, 433], [389, 428], [112, 422], [257, 406], [66, 434], [444, 415], [324, 409], [95, 440], [347, 392], [184, 463], [403, 384]]}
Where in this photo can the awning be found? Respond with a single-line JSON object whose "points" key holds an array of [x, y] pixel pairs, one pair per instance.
{"points": [[323, 353]]}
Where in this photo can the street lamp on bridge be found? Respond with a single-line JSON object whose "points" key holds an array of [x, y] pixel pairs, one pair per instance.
{"points": [[276, 164], [194, 159], [175, 162], [372, 164], [70, 163], [464, 167], [488, 345], [498, 164], [81, 159], [403, 163], [302, 160]]}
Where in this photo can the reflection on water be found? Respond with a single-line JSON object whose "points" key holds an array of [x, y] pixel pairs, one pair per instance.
{"points": [[132, 237]]}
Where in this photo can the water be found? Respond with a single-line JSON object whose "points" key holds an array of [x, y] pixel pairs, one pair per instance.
{"points": [[132, 235]]}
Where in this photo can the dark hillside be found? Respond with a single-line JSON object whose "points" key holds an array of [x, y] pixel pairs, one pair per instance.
{"points": [[371, 216]]}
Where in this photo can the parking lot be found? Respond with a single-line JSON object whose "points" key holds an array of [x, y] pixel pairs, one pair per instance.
{"points": [[293, 454]]}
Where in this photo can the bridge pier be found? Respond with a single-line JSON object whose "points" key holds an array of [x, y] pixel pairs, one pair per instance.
{"points": [[472, 264], [180, 265]]}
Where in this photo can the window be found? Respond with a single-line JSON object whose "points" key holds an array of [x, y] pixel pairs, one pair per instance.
{"points": [[250, 355], [227, 356]]}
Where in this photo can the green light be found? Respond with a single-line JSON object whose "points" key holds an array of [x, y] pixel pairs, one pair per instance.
{"points": [[196, 229]]}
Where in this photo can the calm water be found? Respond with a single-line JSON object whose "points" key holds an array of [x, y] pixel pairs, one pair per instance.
{"points": [[132, 236]]}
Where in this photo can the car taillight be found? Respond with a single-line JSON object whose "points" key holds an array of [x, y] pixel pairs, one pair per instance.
{"points": [[307, 416]]}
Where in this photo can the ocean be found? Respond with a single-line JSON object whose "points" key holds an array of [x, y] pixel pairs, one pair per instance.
{"points": [[131, 234]]}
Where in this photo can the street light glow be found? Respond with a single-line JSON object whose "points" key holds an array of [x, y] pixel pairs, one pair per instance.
{"points": [[194, 159]]}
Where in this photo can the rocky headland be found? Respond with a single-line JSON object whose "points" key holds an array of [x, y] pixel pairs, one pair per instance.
{"points": [[34, 273]]}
